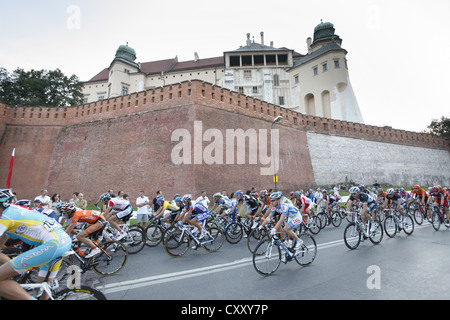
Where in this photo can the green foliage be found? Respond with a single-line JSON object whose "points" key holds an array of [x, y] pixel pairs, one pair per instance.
{"points": [[43, 88], [440, 127]]}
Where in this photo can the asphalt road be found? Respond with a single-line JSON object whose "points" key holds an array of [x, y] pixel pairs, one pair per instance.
{"points": [[403, 267]]}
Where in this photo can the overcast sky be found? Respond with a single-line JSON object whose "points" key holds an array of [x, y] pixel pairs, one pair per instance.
{"points": [[398, 50]]}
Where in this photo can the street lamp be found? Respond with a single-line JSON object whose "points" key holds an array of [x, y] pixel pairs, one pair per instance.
{"points": [[275, 178]]}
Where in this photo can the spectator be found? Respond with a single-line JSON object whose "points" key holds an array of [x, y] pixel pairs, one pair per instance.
{"points": [[142, 204], [155, 204], [204, 199], [44, 199], [81, 202], [56, 199], [74, 197]]}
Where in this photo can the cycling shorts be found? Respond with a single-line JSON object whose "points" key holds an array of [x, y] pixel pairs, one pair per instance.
{"points": [[42, 255], [200, 216], [125, 214], [100, 224]]}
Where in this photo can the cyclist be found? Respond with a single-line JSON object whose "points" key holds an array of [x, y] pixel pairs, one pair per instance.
{"points": [[369, 205], [73, 216], [394, 199], [381, 195], [195, 213], [286, 211], [117, 210], [223, 205], [251, 209], [419, 194], [441, 197], [168, 209], [44, 233]]}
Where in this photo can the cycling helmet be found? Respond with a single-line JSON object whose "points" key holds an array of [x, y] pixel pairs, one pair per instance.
{"points": [[416, 186], [296, 194], [238, 193], [246, 198], [390, 191], [434, 189], [361, 187], [178, 199], [217, 195], [354, 190], [5, 197], [68, 208], [276, 196], [324, 191], [24, 203], [263, 193], [104, 196], [186, 197], [160, 199]]}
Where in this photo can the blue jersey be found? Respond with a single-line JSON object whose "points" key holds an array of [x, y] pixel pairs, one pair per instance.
{"points": [[30, 226], [286, 209]]}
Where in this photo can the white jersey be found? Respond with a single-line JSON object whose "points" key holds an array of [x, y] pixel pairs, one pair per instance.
{"points": [[118, 204]]}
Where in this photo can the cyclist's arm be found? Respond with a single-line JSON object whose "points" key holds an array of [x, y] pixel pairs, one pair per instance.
{"points": [[70, 227]]}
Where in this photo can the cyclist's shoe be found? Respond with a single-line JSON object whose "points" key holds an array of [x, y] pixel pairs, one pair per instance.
{"points": [[202, 234], [93, 253], [298, 246], [283, 258]]}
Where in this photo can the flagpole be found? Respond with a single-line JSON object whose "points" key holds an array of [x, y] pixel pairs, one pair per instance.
{"points": [[11, 162]]}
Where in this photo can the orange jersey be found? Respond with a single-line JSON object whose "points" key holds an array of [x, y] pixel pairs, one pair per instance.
{"points": [[89, 216], [419, 193]]}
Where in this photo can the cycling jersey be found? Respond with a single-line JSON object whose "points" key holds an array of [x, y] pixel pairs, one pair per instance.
{"points": [[199, 210], [93, 217], [290, 211], [122, 207], [419, 193], [366, 199], [438, 195], [170, 206], [252, 204], [38, 230]]}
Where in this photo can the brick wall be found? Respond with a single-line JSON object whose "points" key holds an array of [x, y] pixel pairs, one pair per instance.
{"points": [[124, 142]]}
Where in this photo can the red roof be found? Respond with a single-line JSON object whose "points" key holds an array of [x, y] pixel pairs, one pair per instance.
{"points": [[168, 65]]}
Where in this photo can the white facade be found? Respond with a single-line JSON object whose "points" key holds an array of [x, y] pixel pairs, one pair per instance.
{"points": [[316, 83]]}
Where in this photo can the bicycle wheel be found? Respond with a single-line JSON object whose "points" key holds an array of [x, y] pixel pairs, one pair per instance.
{"points": [[154, 235], [309, 250], [352, 236], [234, 232], [408, 224], [135, 240], [323, 219], [336, 219], [315, 226], [267, 257], [376, 233], [390, 226], [81, 293], [418, 216], [111, 260], [176, 243], [255, 237], [436, 221], [213, 240]]}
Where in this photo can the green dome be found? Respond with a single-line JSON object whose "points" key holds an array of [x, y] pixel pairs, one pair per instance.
{"points": [[125, 52], [324, 32]]}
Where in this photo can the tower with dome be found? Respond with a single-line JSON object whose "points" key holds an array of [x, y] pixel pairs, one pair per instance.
{"points": [[315, 83]]}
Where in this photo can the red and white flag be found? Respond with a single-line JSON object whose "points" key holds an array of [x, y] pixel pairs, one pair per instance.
{"points": [[11, 162]]}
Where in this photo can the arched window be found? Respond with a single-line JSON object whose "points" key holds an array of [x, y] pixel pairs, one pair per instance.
{"points": [[276, 80]]}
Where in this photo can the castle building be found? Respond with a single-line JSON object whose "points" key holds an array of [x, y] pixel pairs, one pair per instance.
{"points": [[316, 83]]}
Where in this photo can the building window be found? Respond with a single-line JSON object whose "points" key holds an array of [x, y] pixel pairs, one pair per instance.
{"points": [[296, 79], [315, 71], [241, 90], [281, 101], [276, 80], [247, 73], [124, 90], [336, 64], [255, 90], [102, 97], [324, 67]]}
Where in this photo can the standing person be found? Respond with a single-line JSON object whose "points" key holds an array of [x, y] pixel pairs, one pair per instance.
{"points": [[44, 198], [142, 204], [81, 202], [155, 203], [203, 198]]}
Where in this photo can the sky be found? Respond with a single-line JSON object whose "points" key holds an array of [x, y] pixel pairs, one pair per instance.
{"points": [[398, 50]]}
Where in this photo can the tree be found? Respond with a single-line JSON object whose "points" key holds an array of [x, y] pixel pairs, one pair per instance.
{"points": [[41, 88], [440, 127]]}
